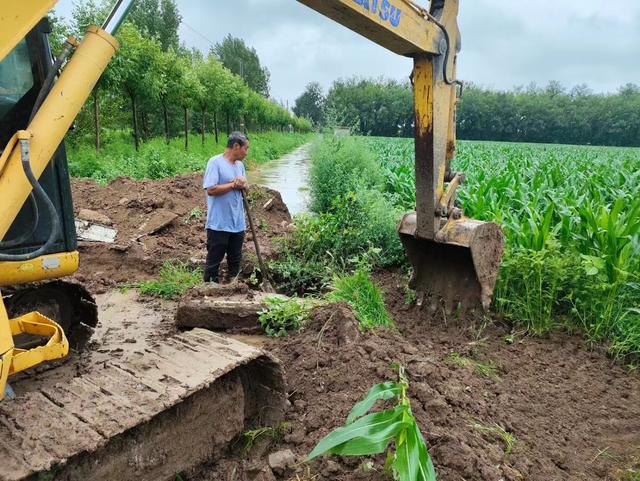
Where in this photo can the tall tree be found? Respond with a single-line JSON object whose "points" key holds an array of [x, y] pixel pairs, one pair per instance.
{"points": [[371, 107], [311, 103], [171, 73], [137, 70], [159, 19], [244, 62], [188, 92], [84, 15]]}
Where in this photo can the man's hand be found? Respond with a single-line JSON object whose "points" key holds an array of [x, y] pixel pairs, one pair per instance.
{"points": [[240, 183]]}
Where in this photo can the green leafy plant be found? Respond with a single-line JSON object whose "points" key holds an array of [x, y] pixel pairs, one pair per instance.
{"points": [[194, 215], [367, 433], [274, 432], [175, 278], [364, 297], [284, 314], [296, 275]]}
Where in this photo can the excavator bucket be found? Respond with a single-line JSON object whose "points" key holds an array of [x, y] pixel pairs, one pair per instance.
{"points": [[459, 268]]}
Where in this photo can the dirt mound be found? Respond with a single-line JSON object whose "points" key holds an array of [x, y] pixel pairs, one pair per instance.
{"points": [[472, 392], [160, 220]]}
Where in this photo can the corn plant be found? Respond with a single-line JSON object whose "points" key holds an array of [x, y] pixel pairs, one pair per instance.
{"points": [[366, 434], [571, 217]]}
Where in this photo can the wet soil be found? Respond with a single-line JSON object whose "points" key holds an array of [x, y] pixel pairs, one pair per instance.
{"points": [[133, 205], [573, 413]]}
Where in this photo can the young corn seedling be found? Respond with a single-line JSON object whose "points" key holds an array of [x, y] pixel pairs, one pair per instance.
{"points": [[366, 434]]}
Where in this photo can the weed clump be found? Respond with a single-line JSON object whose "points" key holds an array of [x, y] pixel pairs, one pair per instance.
{"points": [[364, 297], [283, 315], [174, 279]]}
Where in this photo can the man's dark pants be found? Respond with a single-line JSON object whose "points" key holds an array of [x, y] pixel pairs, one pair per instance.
{"points": [[220, 243]]}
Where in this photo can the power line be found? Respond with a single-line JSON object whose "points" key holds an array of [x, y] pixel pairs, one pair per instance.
{"points": [[198, 33]]}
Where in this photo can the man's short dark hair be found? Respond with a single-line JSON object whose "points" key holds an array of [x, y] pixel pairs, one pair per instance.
{"points": [[236, 138]]}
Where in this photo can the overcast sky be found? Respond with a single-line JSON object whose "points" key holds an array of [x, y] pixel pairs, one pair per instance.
{"points": [[505, 43]]}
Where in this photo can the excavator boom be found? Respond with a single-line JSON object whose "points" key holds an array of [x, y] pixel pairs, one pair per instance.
{"points": [[455, 259]]}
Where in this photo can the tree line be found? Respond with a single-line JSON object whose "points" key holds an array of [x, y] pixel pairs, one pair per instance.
{"points": [[156, 86], [550, 114]]}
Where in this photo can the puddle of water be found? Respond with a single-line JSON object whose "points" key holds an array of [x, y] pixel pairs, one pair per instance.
{"points": [[289, 175]]}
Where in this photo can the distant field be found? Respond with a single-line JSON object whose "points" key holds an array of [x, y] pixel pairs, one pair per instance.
{"points": [[571, 216]]}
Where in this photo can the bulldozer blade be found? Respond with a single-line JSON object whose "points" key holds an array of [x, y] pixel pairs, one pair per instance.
{"points": [[459, 267]]}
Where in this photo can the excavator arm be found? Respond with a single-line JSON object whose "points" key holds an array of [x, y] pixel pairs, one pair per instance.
{"points": [[455, 259]]}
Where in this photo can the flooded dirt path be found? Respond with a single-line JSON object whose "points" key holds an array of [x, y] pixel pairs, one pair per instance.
{"points": [[289, 175]]}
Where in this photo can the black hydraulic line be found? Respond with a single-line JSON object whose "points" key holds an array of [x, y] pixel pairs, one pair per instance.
{"points": [[446, 55], [42, 195], [25, 236], [55, 69]]}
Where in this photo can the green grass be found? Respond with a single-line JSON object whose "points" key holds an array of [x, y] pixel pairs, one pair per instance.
{"points": [[174, 279], [156, 159], [485, 368], [253, 435], [282, 315], [364, 297], [496, 431]]}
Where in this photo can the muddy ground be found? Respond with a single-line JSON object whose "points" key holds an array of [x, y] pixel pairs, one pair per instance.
{"points": [[131, 206], [573, 413]]}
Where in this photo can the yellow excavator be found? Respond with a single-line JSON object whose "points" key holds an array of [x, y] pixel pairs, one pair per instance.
{"points": [[135, 407]]}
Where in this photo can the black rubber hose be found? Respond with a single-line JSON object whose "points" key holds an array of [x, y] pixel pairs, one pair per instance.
{"points": [[44, 90], [42, 195], [25, 236], [46, 86], [446, 57]]}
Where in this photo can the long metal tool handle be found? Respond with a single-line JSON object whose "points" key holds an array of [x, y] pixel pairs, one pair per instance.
{"points": [[263, 269]]}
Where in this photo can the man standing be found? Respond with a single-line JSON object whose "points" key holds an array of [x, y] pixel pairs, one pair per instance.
{"points": [[224, 181]]}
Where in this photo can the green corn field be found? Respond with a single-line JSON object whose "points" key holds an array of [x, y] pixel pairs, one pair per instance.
{"points": [[571, 217]]}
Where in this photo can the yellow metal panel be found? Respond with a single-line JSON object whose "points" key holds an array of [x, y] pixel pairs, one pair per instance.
{"points": [[426, 166], [54, 118], [423, 94], [35, 323], [52, 266], [393, 24], [17, 19], [6, 340], [6, 347]]}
